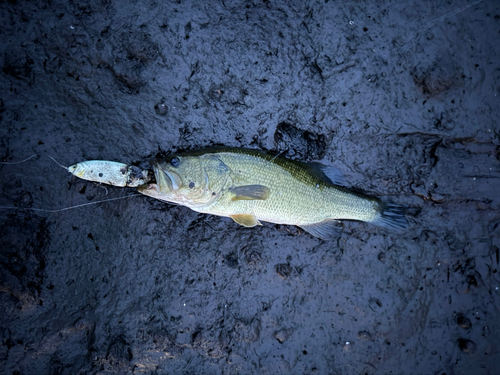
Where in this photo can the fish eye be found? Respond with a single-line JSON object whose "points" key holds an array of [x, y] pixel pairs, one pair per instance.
{"points": [[175, 161]]}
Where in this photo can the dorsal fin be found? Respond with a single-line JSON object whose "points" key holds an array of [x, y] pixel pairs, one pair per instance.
{"points": [[315, 172], [326, 173]]}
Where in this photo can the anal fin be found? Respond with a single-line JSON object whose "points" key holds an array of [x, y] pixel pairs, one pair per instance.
{"points": [[326, 230], [247, 220]]}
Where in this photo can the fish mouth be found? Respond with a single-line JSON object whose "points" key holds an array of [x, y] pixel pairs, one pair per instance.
{"points": [[153, 191], [166, 181]]}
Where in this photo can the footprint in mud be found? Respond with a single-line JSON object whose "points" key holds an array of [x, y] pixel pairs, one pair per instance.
{"points": [[306, 145], [437, 76]]}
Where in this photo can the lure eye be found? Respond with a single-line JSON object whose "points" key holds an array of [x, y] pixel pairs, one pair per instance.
{"points": [[175, 161]]}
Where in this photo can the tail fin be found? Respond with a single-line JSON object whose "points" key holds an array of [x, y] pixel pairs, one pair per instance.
{"points": [[391, 216]]}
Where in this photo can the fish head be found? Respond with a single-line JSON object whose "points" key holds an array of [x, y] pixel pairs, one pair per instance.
{"points": [[192, 181]]}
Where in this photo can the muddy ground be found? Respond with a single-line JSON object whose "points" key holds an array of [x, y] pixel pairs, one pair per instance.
{"points": [[403, 97]]}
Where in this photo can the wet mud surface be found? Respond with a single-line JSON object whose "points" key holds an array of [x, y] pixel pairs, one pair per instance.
{"points": [[403, 98]]}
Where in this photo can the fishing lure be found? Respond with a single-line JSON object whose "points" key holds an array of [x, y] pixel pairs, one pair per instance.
{"points": [[110, 173]]}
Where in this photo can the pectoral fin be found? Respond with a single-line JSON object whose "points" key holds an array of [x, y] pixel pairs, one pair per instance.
{"points": [[250, 192], [326, 230], [247, 220]]}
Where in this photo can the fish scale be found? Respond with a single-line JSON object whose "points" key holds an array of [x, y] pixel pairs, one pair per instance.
{"points": [[296, 197]]}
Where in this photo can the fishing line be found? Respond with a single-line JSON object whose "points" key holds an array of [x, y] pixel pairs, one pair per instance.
{"points": [[66, 208], [412, 37], [287, 145], [59, 164], [18, 162], [452, 13], [5, 208], [278, 155]]}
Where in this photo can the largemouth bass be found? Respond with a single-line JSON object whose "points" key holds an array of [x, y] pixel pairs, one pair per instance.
{"points": [[251, 186]]}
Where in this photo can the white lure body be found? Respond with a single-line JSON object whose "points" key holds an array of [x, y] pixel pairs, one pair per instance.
{"points": [[110, 173]]}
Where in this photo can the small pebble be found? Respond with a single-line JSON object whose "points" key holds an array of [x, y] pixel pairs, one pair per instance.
{"points": [[364, 335], [486, 331], [26, 199], [281, 336], [348, 346], [161, 109], [284, 270]]}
